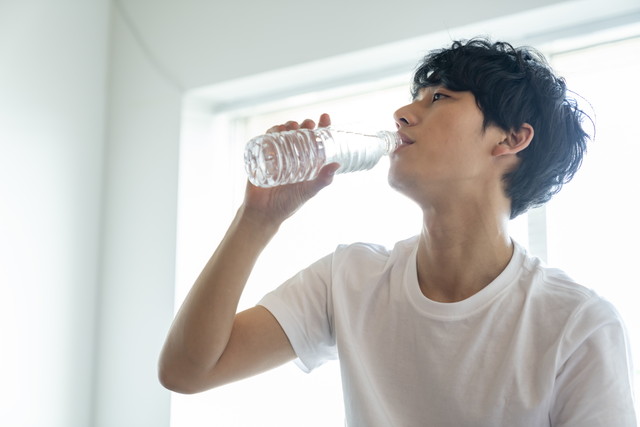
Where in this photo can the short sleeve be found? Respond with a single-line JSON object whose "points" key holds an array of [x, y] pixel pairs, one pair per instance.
{"points": [[303, 307], [594, 384]]}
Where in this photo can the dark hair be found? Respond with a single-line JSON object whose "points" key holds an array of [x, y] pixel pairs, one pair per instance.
{"points": [[513, 86]]}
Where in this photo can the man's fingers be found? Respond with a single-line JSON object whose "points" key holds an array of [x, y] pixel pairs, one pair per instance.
{"points": [[277, 128], [325, 177], [325, 121], [308, 124]]}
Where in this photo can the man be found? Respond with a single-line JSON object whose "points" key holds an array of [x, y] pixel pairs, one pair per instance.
{"points": [[457, 326]]}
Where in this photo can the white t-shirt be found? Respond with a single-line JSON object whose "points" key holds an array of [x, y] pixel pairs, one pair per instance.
{"points": [[532, 348]]}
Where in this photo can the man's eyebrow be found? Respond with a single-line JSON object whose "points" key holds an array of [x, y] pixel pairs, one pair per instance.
{"points": [[418, 91]]}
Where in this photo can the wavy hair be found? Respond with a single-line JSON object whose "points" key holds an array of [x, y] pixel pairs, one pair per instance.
{"points": [[513, 86]]}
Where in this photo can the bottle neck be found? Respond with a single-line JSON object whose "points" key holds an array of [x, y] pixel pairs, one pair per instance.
{"points": [[391, 139]]}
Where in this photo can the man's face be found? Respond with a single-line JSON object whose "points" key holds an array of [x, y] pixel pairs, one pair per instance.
{"points": [[446, 149]]}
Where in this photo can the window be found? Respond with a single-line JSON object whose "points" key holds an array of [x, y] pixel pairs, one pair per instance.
{"points": [[592, 224], [589, 229]]}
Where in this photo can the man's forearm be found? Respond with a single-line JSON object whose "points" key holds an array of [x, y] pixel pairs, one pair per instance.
{"points": [[201, 329]]}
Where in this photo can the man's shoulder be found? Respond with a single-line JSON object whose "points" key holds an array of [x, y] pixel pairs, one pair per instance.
{"points": [[556, 282], [559, 292]]}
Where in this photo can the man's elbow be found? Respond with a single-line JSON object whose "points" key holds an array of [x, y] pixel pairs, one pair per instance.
{"points": [[172, 382], [176, 380]]}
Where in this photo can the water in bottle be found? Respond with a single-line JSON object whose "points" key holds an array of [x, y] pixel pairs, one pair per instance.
{"points": [[298, 155]]}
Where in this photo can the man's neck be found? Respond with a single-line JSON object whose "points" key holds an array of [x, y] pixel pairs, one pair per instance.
{"points": [[458, 255]]}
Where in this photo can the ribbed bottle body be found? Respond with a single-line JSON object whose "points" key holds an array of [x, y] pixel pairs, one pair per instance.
{"points": [[295, 156]]}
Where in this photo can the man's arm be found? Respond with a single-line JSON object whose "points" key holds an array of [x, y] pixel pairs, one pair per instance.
{"points": [[208, 343]]}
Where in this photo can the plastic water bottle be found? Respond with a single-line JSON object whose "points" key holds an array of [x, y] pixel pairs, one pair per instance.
{"points": [[298, 155]]}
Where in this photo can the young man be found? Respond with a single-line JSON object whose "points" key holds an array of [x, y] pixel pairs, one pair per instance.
{"points": [[457, 326]]}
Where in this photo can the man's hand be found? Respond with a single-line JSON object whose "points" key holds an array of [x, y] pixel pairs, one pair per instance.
{"points": [[274, 205]]}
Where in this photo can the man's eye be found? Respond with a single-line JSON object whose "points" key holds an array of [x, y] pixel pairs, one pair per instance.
{"points": [[438, 96]]}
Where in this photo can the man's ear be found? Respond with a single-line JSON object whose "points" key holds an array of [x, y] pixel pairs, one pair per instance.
{"points": [[515, 140]]}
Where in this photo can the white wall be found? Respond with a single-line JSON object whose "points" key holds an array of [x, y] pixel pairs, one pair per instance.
{"points": [[53, 64], [86, 218], [138, 247]]}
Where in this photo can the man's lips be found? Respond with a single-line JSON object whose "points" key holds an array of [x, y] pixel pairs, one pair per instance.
{"points": [[405, 139]]}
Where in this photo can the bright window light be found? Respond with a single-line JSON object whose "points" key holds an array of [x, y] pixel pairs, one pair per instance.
{"points": [[592, 225]]}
